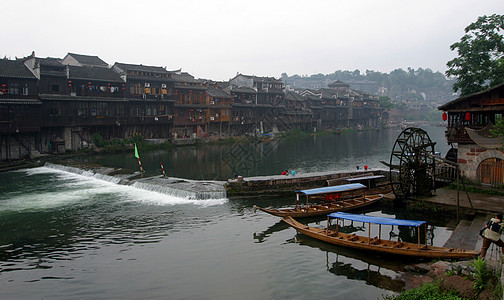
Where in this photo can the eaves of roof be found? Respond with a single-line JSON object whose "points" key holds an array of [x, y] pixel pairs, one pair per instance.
{"points": [[452, 103], [20, 101]]}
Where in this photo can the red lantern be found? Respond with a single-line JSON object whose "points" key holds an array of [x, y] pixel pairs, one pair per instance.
{"points": [[468, 116], [445, 116]]}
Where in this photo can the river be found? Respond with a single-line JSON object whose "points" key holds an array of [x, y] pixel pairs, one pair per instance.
{"points": [[71, 236]]}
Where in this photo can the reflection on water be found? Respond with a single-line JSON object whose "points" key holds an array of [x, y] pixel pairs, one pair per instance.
{"points": [[68, 236], [310, 154]]}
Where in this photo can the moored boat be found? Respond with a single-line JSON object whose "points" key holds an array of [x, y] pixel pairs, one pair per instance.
{"points": [[330, 199], [333, 235]]}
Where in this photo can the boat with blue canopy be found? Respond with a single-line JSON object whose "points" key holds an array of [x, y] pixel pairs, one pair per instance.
{"points": [[326, 200], [332, 234]]}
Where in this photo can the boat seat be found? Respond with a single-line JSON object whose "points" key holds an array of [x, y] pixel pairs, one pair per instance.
{"points": [[374, 241], [352, 237]]}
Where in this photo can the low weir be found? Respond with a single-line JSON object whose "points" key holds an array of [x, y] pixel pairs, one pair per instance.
{"points": [[177, 187], [274, 185]]}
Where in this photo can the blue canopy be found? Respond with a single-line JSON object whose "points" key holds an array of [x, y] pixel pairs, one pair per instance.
{"points": [[333, 189], [375, 220]]}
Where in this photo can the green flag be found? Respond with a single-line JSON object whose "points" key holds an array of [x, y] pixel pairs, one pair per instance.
{"points": [[136, 152]]}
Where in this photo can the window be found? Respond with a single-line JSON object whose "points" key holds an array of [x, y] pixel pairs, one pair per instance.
{"points": [[55, 87], [136, 89], [14, 89], [54, 110], [25, 90]]}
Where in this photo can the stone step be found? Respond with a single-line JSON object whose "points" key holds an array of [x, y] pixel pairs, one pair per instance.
{"points": [[466, 236], [459, 235], [478, 223]]}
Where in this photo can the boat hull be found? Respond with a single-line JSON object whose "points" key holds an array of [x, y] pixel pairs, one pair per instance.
{"points": [[323, 210], [380, 246]]}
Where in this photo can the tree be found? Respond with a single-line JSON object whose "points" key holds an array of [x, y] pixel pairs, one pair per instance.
{"points": [[384, 102], [480, 61]]}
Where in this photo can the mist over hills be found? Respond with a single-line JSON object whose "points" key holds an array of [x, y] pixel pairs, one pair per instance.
{"points": [[400, 85]]}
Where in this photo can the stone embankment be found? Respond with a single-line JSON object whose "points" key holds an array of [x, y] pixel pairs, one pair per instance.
{"points": [[458, 276]]}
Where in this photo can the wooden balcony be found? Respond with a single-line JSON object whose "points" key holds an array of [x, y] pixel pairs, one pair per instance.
{"points": [[459, 135]]}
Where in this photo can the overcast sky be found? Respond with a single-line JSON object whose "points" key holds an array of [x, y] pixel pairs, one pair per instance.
{"points": [[216, 39]]}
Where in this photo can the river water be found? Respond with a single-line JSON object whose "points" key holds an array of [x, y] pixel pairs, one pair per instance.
{"points": [[71, 236]]}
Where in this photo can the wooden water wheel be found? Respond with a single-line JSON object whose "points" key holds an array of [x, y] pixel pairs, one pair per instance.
{"points": [[412, 164]]}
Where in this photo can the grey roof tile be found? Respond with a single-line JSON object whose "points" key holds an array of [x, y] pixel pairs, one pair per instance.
{"points": [[15, 69]]}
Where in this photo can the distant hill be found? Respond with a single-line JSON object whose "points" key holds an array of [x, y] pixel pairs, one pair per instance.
{"points": [[399, 85]]}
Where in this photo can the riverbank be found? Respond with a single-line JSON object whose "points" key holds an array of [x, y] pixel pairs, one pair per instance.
{"points": [[101, 146], [472, 279]]}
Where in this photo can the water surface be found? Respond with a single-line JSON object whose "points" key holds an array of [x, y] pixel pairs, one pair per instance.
{"points": [[69, 236]]}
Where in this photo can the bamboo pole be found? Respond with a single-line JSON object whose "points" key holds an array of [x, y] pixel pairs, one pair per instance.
{"points": [[425, 225], [418, 234], [369, 232], [458, 195]]}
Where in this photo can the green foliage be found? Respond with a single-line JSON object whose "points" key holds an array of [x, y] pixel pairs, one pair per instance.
{"points": [[427, 291], [98, 140], [476, 189], [498, 129], [384, 102], [434, 115], [481, 275], [480, 61], [486, 278], [295, 133], [124, 145], [135, 139]]}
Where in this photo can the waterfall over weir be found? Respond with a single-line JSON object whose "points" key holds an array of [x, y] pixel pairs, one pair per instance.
{"points": [[183, 188], [177, 187]]}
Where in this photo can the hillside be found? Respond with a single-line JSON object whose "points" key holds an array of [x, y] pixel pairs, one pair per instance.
{"points": [[399, 85]]}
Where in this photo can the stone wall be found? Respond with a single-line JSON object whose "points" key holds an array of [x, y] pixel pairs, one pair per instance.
{"points": [[470, 156]]}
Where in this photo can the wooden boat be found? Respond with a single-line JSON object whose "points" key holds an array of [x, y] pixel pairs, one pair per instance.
{"points": [[331, 235], [331, 199]]}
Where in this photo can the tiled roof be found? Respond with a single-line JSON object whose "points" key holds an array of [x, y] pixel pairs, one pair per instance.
{"points": [[51, 66], [88, 60], [328, 93], [15, 69], [94, 73], [338, 83], [184, 77], [140, 68], [242, 89], [218, 93], [290, 95], [50, 61], [259, 78]]}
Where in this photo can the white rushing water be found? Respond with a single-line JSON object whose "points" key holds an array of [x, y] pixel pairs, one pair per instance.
{"points": [[76, 185]]}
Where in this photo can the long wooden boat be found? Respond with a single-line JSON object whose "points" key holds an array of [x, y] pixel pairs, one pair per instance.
{"points": [[376, 244], [331, 199], [323, 209]]}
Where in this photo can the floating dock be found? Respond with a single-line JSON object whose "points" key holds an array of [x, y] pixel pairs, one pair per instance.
{"points": [[278, 185]]}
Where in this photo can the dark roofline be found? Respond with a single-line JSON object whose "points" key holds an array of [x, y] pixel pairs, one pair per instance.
{"points": [[15, 69], [258, 78], [88, 59], [461, 99], [142, 68]]}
